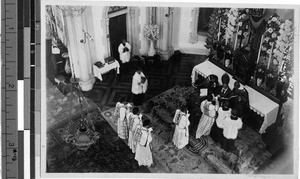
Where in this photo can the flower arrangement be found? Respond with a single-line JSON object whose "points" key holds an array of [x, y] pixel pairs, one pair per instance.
{"points": [[151, 32], [216, 32], [270, 38], [243, 24], [232, 16], [284, 43]]}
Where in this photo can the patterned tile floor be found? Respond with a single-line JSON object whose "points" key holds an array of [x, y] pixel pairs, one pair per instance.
{"points": [[161, 76]]}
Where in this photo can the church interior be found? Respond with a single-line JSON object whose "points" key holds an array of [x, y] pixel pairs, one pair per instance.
{"points": [[185, 55]]}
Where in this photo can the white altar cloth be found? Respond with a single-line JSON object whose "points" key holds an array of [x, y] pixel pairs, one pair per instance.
{"points": [[98, 72], [259, 103]]}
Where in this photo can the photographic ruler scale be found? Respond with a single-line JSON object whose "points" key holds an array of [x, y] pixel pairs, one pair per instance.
{"points": [[9, 86]]}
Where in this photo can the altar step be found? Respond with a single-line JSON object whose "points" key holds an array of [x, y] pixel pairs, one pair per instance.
{"points": [[250, 154]]}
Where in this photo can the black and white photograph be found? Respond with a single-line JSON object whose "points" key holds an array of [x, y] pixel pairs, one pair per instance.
{"points": [[164, 89]]}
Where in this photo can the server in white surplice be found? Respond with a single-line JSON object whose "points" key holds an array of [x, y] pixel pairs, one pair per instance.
{"points": [[124, 51], [139, 87], [181, 133], [143, 152]]}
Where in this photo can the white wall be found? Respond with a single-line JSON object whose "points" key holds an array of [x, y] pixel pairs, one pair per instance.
{"points": [[143, 20], [181, 30], [99, 32]]}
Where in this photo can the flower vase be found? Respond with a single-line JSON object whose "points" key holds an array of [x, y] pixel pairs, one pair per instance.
{"points": [[151, 51]]}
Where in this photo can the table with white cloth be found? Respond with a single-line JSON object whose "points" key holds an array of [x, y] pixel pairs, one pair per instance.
{"points": [[98, 72], [259, 103]]}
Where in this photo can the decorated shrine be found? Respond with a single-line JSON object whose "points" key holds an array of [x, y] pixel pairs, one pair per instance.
{"points": [[255, 48]]}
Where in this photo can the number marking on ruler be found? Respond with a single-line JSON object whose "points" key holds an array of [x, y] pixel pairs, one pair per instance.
{"points": [[9, 89]]}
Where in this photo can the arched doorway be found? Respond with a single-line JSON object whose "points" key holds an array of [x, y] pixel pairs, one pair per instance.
{"points": [[117, 28]]}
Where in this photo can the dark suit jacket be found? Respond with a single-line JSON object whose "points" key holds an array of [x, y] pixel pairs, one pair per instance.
{"points": [[224, 95]]}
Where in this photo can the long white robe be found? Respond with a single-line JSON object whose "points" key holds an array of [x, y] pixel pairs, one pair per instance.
{"points": [[133, 122], [137, 87], [181, 134], [124, 56], [122, 124], [117, 109], [143, 152], [207, 119]]}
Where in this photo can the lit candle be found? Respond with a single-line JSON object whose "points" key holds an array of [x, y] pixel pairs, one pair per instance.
{"points": [[270, 56], [261, 40], [226, 37], [236, 38], [219, 32]]}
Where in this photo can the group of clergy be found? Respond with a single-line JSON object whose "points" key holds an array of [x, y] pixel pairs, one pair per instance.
{"points": [[223, 111], [134, 127]]}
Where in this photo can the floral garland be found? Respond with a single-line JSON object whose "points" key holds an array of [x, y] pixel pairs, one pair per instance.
{"points": [[214, 28], [151, 32], [284, 45], [242, 23], [270, 37], [232, 15]]}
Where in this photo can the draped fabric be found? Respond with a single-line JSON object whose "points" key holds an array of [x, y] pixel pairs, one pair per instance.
{"points": [[181, 133], [133, 121], [117, 109], [143, 152], [122, 124], [59, 24], [207, 119]]}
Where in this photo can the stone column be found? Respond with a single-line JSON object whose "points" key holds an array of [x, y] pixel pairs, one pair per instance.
{"points": [[98, 33], [77, 50], [194, 26], [144, 19], [165, 51]]}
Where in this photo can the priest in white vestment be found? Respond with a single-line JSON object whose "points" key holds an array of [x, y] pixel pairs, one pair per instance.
{"points": [[181, 134], [133, 120], [139, 87], [118, 106], [124, 51], [122, 124], [143, 151], [208, 117]]}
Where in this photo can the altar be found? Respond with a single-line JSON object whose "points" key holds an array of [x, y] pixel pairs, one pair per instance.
{"points": [[259, 103], [99, 71]]}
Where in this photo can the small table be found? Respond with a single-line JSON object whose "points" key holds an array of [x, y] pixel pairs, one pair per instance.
{"points": [[98, 72]]}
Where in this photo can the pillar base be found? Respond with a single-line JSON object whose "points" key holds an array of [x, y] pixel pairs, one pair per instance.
{"points": [[165, 55], [87, 85]]}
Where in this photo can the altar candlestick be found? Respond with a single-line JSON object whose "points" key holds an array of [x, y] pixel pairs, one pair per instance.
{"points": [[236, 38], [219, 32], [226, 37], [261, 41], [270, 55]]}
